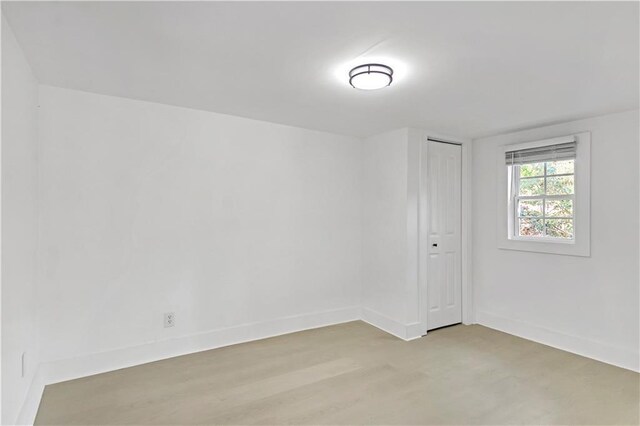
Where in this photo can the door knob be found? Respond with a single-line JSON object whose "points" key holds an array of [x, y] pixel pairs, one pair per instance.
{"points": [[434, 245]]}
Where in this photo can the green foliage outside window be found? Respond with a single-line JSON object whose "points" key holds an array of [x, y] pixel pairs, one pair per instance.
{"points": [[544, 211]]}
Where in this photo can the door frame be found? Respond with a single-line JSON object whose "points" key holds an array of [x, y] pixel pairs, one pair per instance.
{"points": [[468, 314]]}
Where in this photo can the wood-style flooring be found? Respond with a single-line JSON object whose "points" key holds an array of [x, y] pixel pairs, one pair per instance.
{"points": [[354, 373]]}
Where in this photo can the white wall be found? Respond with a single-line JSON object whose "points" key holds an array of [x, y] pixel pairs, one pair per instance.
{"points": [[225, 221], [585, 305], [384, 230], [393, 270], [19, 224]]}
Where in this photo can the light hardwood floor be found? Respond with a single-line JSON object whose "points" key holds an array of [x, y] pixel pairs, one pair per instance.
{"points": [[356, 374]]}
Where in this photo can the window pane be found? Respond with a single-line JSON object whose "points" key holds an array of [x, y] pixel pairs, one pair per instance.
{"points": [[560, 167], [558, 185], [531, 228], [530, 208], [560, 228], [532, 186], [535, 169], [559, 208]]}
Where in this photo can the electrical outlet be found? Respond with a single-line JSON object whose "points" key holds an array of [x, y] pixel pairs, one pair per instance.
{"points": [[169, 319]]}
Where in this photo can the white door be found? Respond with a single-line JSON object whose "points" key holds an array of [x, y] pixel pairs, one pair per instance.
{"points": [[444, 282]]}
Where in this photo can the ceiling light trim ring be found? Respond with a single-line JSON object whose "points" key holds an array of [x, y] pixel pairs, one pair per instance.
{"points": [[366, 69]]}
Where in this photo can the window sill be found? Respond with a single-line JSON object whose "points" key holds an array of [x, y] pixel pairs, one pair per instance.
{"points": [[568, 248], [543, 240]]}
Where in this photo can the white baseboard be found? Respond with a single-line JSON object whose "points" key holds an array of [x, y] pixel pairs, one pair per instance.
{"points": [[31, 403], [384, 323], [618, 356], [96, 363]]}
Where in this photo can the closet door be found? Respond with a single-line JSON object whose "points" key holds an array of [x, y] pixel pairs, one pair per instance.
{"points": [[444, 282]]}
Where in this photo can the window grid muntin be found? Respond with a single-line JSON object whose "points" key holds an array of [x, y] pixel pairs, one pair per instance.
{"points": [[543, 198]]}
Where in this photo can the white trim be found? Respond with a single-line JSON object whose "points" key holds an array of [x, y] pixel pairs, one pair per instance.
{"points": [[27, 414], [581, 244], [402, 331], [423, 232], [414, 238], [468, 315], [618, 356], [468, 306], [72, 368], [101, 362]]}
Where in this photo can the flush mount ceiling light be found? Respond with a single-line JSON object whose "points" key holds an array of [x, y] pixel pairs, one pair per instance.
{"points": [[370, 76]]}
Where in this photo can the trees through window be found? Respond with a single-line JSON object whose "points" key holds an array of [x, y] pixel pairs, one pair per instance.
{"points": [[544, 199]]}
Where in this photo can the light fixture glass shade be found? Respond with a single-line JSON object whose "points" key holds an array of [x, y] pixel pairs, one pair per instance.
{"points": [[371, 76]]}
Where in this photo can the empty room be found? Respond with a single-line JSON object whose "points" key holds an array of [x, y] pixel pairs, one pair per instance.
{"points": [[320, 213]]}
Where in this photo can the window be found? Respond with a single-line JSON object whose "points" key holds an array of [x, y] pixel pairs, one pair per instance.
{"points": [[542, 181], [546, 208]]}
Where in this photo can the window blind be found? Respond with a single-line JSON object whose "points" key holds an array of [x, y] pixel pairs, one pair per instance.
{"points": [[557, 152]]}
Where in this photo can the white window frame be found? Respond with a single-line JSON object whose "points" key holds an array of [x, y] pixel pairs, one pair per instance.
{"points": [[580, 244]]}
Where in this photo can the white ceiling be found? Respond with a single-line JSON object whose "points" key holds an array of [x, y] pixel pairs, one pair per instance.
{"points": [[464, 68]]}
